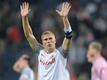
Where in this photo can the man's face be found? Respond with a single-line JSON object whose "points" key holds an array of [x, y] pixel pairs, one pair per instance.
{"points": [[49, 41], [91, 54], [22, 64]]}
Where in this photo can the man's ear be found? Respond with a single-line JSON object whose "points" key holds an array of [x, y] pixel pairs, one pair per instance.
{"points": [[55, 39]]}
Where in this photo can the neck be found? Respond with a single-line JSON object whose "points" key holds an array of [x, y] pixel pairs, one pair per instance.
{"points": [[97, 57], [50, 50]]}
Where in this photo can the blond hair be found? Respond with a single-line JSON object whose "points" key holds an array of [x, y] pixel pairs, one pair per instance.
{"points": [[97, 46], [46, 32]]}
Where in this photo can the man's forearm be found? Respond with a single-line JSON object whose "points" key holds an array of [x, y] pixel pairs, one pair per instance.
{"points": [[68, 34], [66, 23], [66, 44], [26, 26]]}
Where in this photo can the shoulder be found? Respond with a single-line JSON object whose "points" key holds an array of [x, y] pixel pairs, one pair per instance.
{"points": [[61, 51], [101, 63], [27, 74], [42, 54], [24, 76], [38, 47]]}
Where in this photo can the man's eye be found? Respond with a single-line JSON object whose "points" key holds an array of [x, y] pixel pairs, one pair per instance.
{"points": [[45, 39], [50, 38]]}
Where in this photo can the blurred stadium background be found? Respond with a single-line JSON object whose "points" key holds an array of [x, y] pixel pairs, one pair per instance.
{"points": [[87, 17]]}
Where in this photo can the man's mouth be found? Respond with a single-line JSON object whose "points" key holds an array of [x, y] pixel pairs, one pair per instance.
{"points": [[49, 45]]}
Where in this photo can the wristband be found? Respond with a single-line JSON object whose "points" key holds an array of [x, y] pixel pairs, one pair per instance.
{"points": [[68, 35]]}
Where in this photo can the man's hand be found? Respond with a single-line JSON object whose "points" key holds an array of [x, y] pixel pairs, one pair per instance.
{"points": [[26, 26], [24, 9], [67, 28], [64, 9]]}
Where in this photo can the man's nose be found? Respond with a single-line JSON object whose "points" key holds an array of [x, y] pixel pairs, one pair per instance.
{"points": [[48, 40]]}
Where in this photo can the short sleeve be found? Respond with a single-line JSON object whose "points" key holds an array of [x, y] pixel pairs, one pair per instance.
{"points": [[38, 47], [61, 50]]}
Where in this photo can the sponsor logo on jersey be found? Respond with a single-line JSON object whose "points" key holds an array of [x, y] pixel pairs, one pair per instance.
{"points": [[48, 62]]}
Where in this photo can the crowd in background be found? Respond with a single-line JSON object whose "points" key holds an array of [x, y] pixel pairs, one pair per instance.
{"points": [[88, 19]]}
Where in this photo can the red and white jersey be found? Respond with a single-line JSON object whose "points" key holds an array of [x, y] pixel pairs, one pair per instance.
{"points": [[99, 69], [52, 66]]}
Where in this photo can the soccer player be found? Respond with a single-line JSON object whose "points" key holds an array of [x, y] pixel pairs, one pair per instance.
{"points": [[23, 66], [51, 61], [99, 68]]}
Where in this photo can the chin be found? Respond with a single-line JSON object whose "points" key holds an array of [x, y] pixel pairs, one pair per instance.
{"points": [[89, 61], [51, 49]]}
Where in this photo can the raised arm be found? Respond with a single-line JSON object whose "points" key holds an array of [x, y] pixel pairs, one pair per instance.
{"points": [[67, 28], [26, 26]]}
